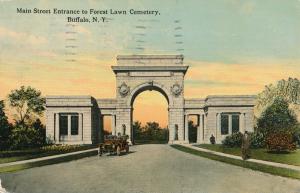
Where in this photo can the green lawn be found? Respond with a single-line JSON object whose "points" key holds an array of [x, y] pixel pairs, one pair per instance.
{"points": [[18, 155], [47, 162], [141, 141], [292, 158], [255, 166]]}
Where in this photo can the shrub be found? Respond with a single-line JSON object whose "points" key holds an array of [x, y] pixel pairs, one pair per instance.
{"points": [[25, 137], [233, 140], [257, 140], [296, 135], [277, 118], [280, 142]]}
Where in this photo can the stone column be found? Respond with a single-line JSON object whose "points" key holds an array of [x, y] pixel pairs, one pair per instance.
{"points": [[199, 129], [69, 127], [113, 125], [186, 129], [230, 124], [218, 125], [241, 123], [244, 122], [80, 126], [56, 127]]}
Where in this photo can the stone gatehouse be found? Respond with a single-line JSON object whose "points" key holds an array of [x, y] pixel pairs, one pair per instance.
{"points": [[79, 119]]}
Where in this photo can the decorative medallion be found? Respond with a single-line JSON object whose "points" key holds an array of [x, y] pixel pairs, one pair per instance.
{"points": [[124, 89], [176, 89]]}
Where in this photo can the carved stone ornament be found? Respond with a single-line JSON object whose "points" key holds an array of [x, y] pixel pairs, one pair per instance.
{"points": [[176, 89], [124, 89]]}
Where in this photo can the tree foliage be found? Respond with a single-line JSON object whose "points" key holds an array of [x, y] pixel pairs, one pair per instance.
{"points": [[23, 137], [27, 102], [289, 90], [151, 132], [277, 118], [5, 128]]}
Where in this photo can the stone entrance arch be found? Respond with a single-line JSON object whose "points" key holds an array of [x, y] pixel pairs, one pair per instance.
{"points": [[217, 115], [165, 74], [149, 86]]}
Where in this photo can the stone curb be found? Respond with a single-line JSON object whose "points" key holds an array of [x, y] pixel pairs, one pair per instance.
{"points": [[46, 158], [274, 164]]}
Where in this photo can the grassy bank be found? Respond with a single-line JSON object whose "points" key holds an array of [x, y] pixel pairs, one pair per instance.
{"points": [[292, 158], [18, 155], [255, 166], [141, 141], [47, 162]]}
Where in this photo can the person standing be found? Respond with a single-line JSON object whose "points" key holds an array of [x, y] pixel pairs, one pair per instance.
{"points": [[246, 146]]}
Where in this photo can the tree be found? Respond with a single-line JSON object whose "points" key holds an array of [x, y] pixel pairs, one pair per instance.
{"points": [[137, 129], [27, 102], [277, 118], [41, 131], [289, 90], [5, 128], [151, 132]]}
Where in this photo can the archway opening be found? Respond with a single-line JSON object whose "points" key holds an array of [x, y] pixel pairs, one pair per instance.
{"points": [[150, 117], [107, 125], [193, 123]]}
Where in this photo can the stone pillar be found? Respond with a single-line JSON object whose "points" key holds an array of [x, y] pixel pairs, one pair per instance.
{"points": [[241, 122], [230, 124], [124, 118], [186, 129], [69, 127], [176, 117], [244, 122], [113, 125], [56, 127], [101, 125], [199, 129], [218, 127], [80, 126]]}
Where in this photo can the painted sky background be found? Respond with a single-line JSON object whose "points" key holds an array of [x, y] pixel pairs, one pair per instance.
{"points": [[231, 46]]}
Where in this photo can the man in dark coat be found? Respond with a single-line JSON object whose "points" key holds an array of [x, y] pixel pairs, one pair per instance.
{"points": [[246, 146]]}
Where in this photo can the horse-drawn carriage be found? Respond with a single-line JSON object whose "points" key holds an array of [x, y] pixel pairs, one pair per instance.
{"points": [[114, 145]]}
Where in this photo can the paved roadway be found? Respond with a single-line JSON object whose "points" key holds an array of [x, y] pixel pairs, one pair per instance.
{"points": [[147, 169]]}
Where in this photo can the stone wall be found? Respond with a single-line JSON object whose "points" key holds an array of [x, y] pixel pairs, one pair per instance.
{"points": [[71, 104]]}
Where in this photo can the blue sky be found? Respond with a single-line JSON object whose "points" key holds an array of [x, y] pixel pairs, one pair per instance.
{"points": [[232, 46]]}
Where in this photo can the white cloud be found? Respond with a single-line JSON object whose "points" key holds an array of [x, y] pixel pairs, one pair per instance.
{"points": [[22, 37]]}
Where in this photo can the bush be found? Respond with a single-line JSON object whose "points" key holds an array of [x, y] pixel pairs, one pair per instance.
{"points": [[23, 137], [277, 118], [257, 140], [280, 142], [296, 135], [233, 140]]}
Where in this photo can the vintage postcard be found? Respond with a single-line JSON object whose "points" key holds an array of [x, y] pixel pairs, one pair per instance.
{"points": [[149, 96]]}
